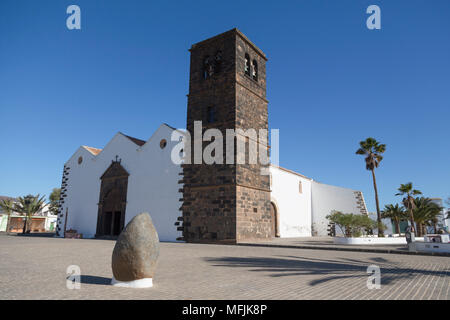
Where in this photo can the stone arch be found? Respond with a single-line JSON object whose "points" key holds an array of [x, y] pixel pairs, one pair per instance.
{"points": [[112, 201], [275, 216], [247, 64], [255, 70]]}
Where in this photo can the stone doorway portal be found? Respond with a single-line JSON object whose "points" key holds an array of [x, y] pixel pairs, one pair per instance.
{"points": [[275, 220], [112, 201]]}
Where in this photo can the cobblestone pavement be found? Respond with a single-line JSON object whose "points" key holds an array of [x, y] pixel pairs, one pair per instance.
{"points": [[35, 268]]}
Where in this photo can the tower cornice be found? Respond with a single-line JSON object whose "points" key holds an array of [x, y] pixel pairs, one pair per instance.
{"points": [[234, 31]]}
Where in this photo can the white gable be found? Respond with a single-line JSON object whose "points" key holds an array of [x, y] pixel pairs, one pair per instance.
{"points": [[152, 184]]}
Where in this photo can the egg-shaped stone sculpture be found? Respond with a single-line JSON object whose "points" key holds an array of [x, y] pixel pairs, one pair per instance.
{"points": [[136, 253]]}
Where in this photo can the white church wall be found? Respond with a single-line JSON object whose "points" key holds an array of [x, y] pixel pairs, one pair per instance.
{"points": [[294, 208], [152, 184], [155, 188], [326, 198], [81, 199]]}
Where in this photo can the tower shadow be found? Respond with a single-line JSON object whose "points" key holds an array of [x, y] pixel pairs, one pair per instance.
{"points": [[325, 269]]}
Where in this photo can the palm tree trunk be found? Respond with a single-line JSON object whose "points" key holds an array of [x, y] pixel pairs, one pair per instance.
{"points": [[397, 225], [24, 229], [411, 215], [29, 223], [7, 222], [380, 232]]}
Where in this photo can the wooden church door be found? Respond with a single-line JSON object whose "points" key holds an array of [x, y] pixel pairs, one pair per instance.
{"points": [[112, 201]]}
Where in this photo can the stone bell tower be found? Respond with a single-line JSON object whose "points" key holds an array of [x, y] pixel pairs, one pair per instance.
{"points": [[227, 90]]}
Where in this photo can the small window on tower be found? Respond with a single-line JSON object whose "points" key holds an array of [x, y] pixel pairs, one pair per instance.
{"points": [[247, 64], [218, 62], [300, 187], [211, 116], [255, 70], [206, 68]]}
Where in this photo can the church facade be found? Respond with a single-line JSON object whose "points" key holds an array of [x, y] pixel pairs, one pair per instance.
{"points": [[103, 189]]}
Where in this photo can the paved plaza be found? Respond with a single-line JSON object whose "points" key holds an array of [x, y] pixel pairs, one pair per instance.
{"points": [[35, 268]]}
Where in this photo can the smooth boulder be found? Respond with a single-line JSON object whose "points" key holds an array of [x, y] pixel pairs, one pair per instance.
{"points": [[136, 251]]}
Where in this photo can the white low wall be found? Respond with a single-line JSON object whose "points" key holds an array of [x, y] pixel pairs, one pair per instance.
{"points": [[371, 240], [432, 247]]}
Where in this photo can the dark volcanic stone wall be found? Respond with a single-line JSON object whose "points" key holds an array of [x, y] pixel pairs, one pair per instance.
{"points": [[226, 202]]}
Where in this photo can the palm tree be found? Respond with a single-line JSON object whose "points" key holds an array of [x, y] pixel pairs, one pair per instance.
{"points": [[395, 213], [372, 150], [7, 207], [426, 213], [408, 201], [29, 206]]}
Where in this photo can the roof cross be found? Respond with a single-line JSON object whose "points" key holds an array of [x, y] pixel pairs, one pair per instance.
{"points": [[117, 159]]}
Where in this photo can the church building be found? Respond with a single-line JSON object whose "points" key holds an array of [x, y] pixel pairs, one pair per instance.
{"points": [[103, 189]]}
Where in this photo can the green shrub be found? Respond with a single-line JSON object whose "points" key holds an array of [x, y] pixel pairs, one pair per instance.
{"points": [[351, 225]]}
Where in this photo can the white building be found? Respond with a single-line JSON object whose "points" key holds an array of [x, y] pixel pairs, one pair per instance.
{"points": [[149, 182], [45, 216], [443, 222]]}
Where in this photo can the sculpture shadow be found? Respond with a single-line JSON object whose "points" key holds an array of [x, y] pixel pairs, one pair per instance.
{"points": [[324, 269], [87, 279]]}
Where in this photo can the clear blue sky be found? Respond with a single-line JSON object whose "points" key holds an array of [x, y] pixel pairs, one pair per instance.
{"points": [[331, 82]]}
